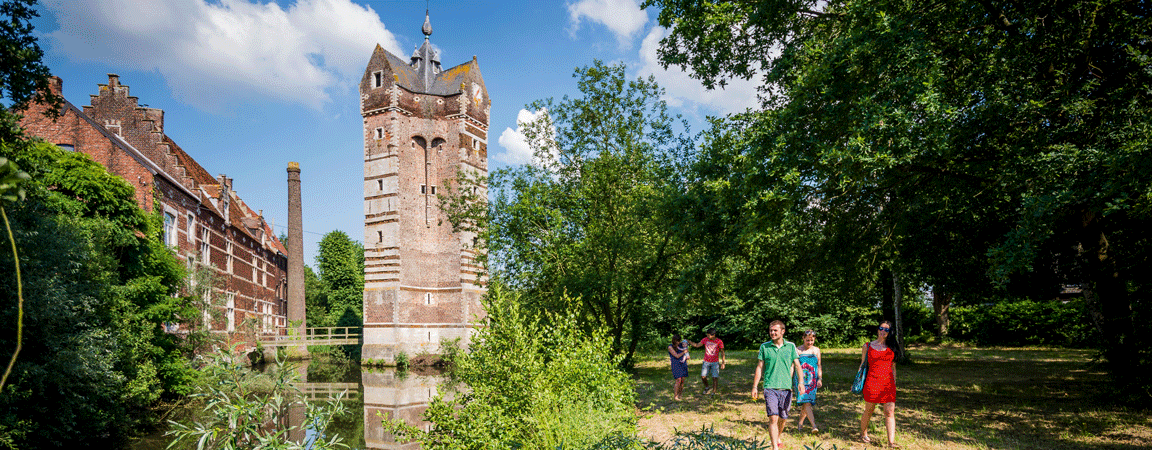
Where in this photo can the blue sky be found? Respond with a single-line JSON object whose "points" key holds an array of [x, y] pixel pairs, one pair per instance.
{"points": [[249, 85]]}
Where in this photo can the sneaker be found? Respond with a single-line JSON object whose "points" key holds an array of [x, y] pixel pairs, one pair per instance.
{"points": [[707, 391]]}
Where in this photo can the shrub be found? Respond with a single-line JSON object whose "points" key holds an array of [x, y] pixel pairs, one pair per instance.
{"points": [[1022, 323], [246, 409], [535, 381], [402, 361]]}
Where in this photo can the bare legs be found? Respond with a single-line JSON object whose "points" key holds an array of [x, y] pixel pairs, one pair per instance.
{"points": [[704, 380], [775, 427], [678, 388], [806, 411], [889, 421]]}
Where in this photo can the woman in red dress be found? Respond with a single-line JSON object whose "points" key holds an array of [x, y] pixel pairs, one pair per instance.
{"points": [[880, 385]]}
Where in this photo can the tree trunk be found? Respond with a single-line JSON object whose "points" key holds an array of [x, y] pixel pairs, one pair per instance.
{"points": [[1106, 293], [897, 300], [941, 304]]}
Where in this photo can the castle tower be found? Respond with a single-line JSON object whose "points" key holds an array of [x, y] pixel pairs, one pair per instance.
{"points": [[422, 125]]}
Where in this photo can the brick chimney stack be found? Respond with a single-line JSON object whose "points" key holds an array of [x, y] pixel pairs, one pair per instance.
{"points": [[295, 262]]}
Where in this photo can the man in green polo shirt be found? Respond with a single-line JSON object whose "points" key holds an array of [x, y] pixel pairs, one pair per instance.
{"points": [[781, 360]]}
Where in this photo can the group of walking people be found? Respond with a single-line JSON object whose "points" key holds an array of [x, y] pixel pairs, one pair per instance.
{"points": [[786, 367]]}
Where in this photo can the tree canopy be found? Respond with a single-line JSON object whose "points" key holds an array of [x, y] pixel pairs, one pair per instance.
{"points": [[970, 145], [589, 218]]}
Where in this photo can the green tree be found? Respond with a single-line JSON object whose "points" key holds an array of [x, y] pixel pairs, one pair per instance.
{"points": [[592, 217], [971, 145], [98, 284], [23, 76], [341, 273], [203, 307]]}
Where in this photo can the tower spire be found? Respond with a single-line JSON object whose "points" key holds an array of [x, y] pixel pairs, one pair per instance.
{"points": [[427, 28]]}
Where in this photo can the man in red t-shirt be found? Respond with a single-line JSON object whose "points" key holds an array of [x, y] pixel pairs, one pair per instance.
{"points": [[713, 360]]}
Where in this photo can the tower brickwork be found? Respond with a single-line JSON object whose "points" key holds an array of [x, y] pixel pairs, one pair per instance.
{"points": [[422, 125]]}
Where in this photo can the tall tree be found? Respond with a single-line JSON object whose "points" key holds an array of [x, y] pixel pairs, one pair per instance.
{"points": [[341, 273], [98, 285], [591, 217], [23, 75], [967, 143]]}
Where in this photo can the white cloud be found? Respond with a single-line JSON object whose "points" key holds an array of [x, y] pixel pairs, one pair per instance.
{"points": [[682, 91], [517, 151], [623, 17], [211, 53]]}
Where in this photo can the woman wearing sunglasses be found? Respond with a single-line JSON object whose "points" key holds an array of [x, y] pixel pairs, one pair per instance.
{"points": [[880, 385]]}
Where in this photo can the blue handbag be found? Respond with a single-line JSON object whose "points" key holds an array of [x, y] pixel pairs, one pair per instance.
{"points": [[858, 384]]}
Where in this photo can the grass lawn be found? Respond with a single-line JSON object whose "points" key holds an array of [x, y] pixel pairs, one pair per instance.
{"points": [[949, 398]]}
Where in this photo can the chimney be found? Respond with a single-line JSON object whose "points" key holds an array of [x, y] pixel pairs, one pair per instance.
{"points": [[56, 85], [296, 315], [225, 196]]}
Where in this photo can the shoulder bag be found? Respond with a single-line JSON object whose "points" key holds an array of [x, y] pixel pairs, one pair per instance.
{"points": [[858, 384]]}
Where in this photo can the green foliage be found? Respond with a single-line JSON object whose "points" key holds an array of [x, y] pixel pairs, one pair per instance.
{"points": [[97, 285], [971, 146], [450, 350], [591, 218], [1026, 323], [247, 409], [23, 76], [201, 308], [535, 381], [335, 296], [402, 362]]}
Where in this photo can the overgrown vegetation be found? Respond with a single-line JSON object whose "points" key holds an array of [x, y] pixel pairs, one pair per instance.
{"points": [[535, 380], [98, 284], [249, 409], [990, 150]]}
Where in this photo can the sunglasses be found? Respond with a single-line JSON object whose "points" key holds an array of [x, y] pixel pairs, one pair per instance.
{"points": [[885, 329]]}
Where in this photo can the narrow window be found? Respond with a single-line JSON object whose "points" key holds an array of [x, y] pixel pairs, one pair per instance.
{"points": [[379, 133], [433, 190], [380, 185], [169, 229], [379, 236], [231, 311], [191, 228], [377, 79], [204, 244], [423, 189], [427, 298]]}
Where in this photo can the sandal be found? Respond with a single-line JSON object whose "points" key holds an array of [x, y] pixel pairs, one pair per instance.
{"points": [[893, 445], [866, 440], [815, 430]]}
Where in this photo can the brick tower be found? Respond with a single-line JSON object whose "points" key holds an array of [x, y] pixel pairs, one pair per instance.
{"points": [[421, 126]]}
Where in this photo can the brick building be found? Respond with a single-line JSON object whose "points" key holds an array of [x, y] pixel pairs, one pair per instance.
{"points": [[205, 221], [421, 126]]}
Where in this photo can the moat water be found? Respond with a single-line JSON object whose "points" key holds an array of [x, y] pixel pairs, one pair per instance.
{"points": [[371, 393]]}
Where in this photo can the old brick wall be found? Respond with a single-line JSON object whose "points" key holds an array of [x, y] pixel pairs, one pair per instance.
{"points": [[128, 141], [420, 277]]}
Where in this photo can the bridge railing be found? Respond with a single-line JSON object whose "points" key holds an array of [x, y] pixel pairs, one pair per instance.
{"points": [[317, 336]]}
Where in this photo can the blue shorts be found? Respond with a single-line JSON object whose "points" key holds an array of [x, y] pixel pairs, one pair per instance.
{"points": [[710, 369], [777, 402]]}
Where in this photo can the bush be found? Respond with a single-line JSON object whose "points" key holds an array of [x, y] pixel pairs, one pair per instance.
{"points": [[1024, 323], [535, 381], [246, 409]]}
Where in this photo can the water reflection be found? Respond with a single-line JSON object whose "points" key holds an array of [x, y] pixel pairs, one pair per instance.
{"points": [[393, 394], [370, 395], [378, 393]]}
